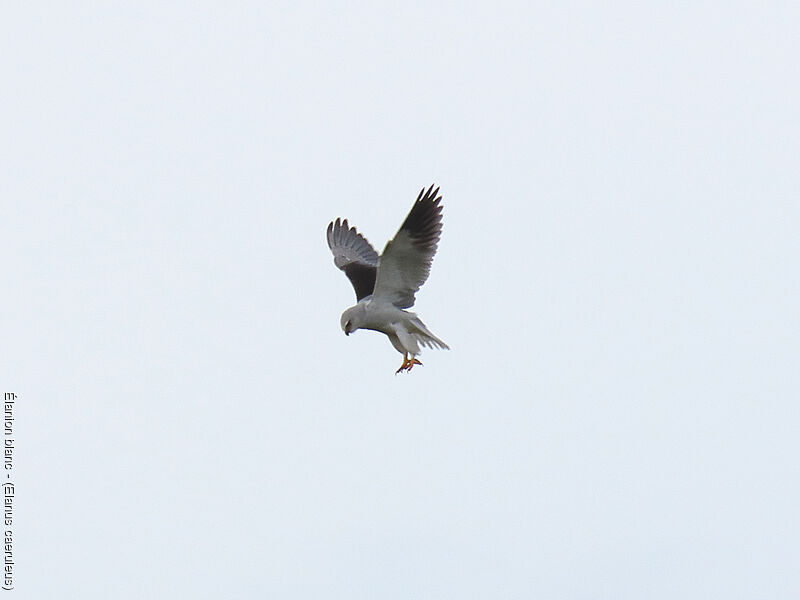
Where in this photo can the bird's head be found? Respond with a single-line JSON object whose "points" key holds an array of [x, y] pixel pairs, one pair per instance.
{"points": [[351, 319]]}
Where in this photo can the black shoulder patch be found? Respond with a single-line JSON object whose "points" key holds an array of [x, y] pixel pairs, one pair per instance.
{"points": [[362, 277]]}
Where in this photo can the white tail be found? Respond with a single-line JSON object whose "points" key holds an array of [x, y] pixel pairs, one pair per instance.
{"points": [[425, 337]]}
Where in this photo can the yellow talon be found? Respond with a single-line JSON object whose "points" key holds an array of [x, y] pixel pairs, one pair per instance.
{"points": [[407, 365]]}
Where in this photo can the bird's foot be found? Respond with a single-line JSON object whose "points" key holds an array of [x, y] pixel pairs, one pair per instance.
{"points": [[407, 365]]}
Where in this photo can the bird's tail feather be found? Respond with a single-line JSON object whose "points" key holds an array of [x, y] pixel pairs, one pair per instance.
{"points": [[426, 338]]}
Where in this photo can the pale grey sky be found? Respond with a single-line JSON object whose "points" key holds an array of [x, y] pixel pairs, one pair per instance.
{"points": [[617, 277]]}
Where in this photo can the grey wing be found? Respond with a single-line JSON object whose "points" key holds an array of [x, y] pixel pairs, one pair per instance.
{"points": [[354, 255], [406, 261]]}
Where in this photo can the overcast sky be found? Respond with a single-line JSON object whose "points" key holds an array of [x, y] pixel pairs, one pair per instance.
{"points": [[618, 416]]}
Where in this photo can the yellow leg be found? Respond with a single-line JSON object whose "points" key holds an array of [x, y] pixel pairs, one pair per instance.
{"points": [[408, 363]]}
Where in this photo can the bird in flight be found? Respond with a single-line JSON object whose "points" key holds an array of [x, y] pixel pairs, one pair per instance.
{"points": [[386, 284]]}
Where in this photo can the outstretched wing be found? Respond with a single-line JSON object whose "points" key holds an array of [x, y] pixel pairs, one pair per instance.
{"points": [[353, 254], [406, 261]]}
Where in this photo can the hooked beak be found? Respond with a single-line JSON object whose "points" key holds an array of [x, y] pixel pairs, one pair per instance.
{"points": [[347, 330]]}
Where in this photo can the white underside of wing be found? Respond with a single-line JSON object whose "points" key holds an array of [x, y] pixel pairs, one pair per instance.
{"points": [[402, 269]]}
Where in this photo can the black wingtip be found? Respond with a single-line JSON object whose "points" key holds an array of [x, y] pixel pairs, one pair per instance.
{"points": [[430, 194], [424, 222]]}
